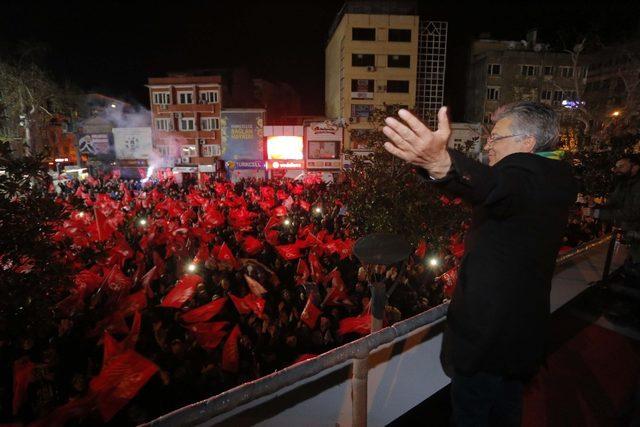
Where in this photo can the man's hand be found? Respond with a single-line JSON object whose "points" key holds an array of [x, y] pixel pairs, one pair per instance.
{"points": [[419, 145]]}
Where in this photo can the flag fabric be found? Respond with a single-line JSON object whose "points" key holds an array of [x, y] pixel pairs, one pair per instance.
{"points": [[132, 303], [289, 252], [251, 245], [449, 280], [103, 229], [209, 335], [255, 286], [148, 278], [249, 303], [302, 272], [280, 211], [358, 324], [120, 381], [337, 294], [226, 256], [316, 268], [305, 205], [117, 281], [310, 313], [421, 250], [204, 312], [230, 353], [182, 291], [22, 377], [304, 357]]}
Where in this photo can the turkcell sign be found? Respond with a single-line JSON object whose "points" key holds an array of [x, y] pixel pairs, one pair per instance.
{"points": [[246, 164]]}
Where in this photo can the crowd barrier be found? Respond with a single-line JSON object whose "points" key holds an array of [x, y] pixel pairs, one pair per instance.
{"points": [[373, 380]]}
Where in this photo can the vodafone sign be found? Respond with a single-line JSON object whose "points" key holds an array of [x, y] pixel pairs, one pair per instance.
{"points": [[285, 164]]}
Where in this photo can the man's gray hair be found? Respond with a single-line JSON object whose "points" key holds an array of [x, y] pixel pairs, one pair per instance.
{"points": [[532, 119]]}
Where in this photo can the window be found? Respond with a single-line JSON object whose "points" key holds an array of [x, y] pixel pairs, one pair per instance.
{"points": [[209, 123], [494, 69], [362, 88], [398, 86], [209, 97], [361, 110], [189, 151], [368, 34], [399, 61], [161, 98], [530, 70], [210, 150], [545, 95], [185, 97], [164, 124], [557, 95], [399, 35], [165, 150], [363, 60], [493, 93], [566, 72], [547, 70], [187, 123]]}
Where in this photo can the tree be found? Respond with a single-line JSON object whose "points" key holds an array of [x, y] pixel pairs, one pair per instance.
{"points": [[26, 94], [32, 280], [386, 194]]}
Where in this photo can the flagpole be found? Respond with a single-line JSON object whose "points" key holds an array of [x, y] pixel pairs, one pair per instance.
{"points": [[95, 215]]}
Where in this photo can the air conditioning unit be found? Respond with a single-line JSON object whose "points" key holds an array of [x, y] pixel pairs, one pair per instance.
{"points": [[371, 68], [184, 160]]}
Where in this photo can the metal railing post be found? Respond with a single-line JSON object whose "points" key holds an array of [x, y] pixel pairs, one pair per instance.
{"points": [[607, 262], [359, 390]]}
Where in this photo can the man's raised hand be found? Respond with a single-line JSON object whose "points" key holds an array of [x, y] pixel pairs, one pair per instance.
{"points": [[419, 145]]}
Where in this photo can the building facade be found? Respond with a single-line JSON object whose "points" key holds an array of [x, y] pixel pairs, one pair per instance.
{"points": [[185, 118], [503, 71], [612, 90], [371, 59]]}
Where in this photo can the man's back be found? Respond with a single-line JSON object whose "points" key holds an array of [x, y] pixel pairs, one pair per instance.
{"points": [[499, 311]]}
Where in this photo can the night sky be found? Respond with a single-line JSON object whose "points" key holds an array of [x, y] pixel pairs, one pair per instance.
{"points": [[114, 46]]}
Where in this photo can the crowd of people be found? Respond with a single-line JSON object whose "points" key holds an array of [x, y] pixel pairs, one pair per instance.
{"points": [[184, 290]]}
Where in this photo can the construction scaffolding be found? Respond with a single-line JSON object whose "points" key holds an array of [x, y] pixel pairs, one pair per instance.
{"points": [[432, 63]]}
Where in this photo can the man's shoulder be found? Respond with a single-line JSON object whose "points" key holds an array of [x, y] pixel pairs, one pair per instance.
{"points": [[534, 163]]}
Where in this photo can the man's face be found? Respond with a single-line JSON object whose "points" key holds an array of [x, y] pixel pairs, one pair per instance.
{"points": [[622, 168], [504, 141]]}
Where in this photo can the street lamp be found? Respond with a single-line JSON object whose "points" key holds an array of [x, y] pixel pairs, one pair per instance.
{"points": [[616, 113], [191, 267]]}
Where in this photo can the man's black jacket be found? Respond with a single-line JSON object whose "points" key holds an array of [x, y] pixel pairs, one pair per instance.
{"points": [[499, 312]]}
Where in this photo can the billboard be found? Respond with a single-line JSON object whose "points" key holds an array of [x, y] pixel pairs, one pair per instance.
{"points": [[242, 133], [98, 146], [133, 143], [324, 142], [285, 147]]}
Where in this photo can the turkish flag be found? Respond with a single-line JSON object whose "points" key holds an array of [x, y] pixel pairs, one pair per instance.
{"points": [[133, 302], [119, 382], [116, 281], [208, 334], [272, 237], [297, 189], [182, 291], [316, 268], [149, 277], [225, 255], [456, 246], [87, 281], [203, 254], [274, 221], [421, 250], [302, 271], [22, 376], [289, 252], [103, 229], [230, 353], [267, 192], [204, 312], [213, 217], [358, 324], [280, 211], [255, 286], [449, 280], [310, 313], [251, 245], [250, 303], [305, 205]]}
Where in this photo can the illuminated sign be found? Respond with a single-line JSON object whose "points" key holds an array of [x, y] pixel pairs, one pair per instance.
{"points": [[284, 148], [284, 164], [246, 164]]}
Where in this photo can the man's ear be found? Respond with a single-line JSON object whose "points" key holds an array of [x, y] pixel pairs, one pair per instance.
{"points": [[529, 144]]}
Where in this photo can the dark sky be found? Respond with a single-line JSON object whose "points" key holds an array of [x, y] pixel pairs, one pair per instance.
{"points": [[113, 46]]}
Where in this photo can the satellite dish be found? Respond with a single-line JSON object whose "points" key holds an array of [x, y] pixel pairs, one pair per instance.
{"points": [[382, 248]]}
